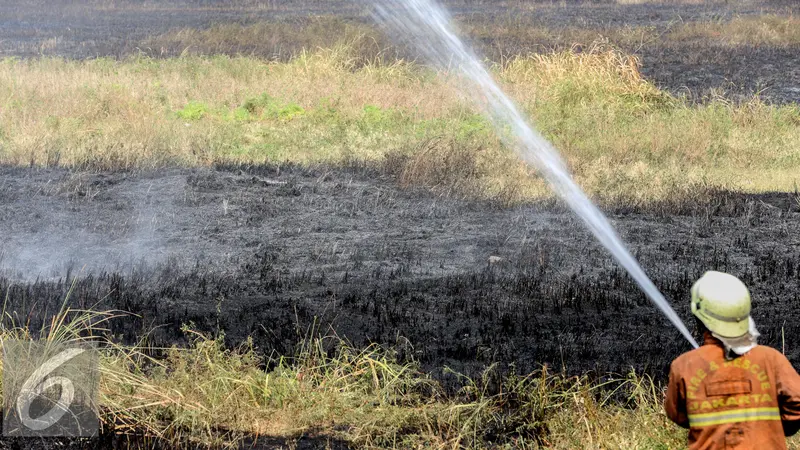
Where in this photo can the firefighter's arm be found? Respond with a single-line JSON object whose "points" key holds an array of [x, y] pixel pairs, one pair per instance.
{"points": [[675, 403], [788, 387]]}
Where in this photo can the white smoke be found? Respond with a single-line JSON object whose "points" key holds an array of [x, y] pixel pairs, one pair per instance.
{"points": [[57, 244]]}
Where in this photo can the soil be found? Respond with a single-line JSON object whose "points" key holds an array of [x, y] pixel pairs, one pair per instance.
{"points": [[282, 253]]}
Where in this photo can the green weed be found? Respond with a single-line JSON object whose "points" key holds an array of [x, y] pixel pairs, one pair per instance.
{"points": [[192, 111]]}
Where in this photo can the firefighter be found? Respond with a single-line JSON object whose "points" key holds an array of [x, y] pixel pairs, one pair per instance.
{"points": [[731, 392]]}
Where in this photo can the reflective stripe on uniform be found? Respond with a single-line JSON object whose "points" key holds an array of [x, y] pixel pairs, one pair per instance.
{"points": [[736, 415]]}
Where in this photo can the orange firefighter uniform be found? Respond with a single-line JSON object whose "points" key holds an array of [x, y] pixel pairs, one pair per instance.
{"points": [[751, 401]]}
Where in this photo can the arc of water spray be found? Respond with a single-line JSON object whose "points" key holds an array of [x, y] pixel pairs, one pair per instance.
{"points": [[428, 27]]}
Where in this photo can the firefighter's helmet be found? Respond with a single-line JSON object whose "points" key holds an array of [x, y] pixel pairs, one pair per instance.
{"points": [[722, 302]]}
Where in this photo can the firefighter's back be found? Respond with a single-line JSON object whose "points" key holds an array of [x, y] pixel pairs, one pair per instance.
{"points": [[732, 403]]}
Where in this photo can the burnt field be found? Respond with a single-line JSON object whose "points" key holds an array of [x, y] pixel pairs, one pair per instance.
{"points": [[686, 64], [281, 253], [278, 223]]}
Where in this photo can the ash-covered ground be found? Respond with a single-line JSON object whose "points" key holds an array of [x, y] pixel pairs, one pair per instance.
{"points": [[279, 253]]}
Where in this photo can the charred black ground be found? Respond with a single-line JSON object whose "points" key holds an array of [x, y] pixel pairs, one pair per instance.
{"points": [[279, 253]]}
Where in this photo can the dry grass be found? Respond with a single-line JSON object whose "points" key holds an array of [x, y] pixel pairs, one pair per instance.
{"points": [[507, 37], [498, 38], [205, 395], [279, 41], [617, 131], [768, 29]]}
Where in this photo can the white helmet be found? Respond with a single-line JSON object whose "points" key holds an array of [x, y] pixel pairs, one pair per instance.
{"points": [[722, 302]]}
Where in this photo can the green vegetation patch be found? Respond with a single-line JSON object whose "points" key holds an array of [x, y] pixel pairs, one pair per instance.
{"points": [[192, 111], [267, 107]]}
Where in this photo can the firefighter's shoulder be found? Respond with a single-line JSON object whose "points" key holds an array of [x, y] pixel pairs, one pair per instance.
{"points": [[692, 357], [770, 354]]}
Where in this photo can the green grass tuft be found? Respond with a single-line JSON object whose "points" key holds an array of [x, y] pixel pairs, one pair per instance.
{"points": [[192, 111]]}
